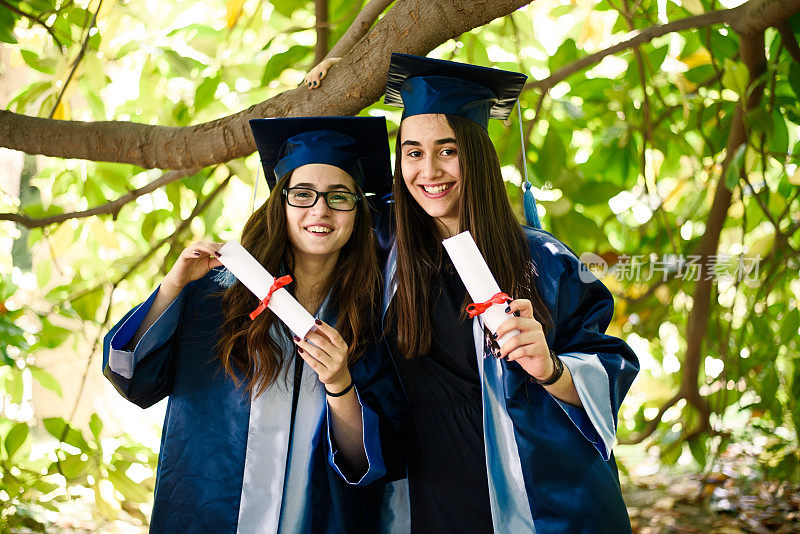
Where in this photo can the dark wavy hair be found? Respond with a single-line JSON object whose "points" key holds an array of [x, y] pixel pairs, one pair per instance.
{"points": [[484, 210], [247, 351]]}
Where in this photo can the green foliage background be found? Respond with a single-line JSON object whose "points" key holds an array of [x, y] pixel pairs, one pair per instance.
{"points": [[625, 158]]}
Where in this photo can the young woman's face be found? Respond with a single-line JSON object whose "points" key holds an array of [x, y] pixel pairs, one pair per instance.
{"points": [[319, 230], [429, 163]]}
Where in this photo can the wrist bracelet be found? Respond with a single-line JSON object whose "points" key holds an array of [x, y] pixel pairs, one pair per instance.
{"points": [[341, 393], [558, 370]]}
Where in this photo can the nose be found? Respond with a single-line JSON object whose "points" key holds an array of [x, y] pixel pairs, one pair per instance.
{"points": [[320, 207], [431, 168]]}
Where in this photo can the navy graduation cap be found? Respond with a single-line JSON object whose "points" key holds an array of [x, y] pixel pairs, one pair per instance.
{"points": [[424, 85], [357, 145]]}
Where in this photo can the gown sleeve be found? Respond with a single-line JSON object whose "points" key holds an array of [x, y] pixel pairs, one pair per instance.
{"points": [[143, 374], [602, 366], [382, 412]]}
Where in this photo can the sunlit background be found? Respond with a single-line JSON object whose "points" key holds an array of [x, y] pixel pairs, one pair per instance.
{"points": [[603, 187]]}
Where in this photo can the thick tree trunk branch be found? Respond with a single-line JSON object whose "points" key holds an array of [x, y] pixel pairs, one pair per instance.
{"points": [[112, 207], [753, 16], [411, 26]]}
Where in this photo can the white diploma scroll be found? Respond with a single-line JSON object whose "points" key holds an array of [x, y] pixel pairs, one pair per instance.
{"points": [[478, 279], [256, 278]]}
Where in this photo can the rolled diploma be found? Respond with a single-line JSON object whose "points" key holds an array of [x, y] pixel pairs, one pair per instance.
{"points": [[256, 278], [478, 279]]}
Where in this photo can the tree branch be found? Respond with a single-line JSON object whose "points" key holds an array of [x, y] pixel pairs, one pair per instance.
{"points": [[77, 61], [752, 52], [112, 207], [359, 28], [411, 26], [652, 424], [751, 17], [33, 18], [323, 30], [789, 40]]}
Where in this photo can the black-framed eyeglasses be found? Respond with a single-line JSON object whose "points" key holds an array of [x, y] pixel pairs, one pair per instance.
{"points": [[304, 197]]}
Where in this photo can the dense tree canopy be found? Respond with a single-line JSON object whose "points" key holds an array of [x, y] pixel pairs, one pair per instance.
{"points": [[661, 137]]}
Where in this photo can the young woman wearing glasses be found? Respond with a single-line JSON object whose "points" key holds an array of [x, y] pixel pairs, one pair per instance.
{"points": [[260, 424]]}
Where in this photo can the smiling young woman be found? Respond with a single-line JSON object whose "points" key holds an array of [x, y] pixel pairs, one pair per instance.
{"points": [[265, 431], [511, 439]]}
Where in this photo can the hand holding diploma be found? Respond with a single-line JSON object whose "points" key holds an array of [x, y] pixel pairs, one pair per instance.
{"points": [[519, 335]]}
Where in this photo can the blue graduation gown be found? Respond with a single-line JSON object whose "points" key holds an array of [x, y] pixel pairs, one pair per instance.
{"points": [[549, 464], [214, 452]]}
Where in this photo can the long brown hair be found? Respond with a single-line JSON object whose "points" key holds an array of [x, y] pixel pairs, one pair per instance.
{"points": [[484, 210], [247, 351]]}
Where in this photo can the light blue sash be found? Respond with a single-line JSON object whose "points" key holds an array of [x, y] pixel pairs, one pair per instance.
{"points": [[511, 512], [276, 487]]}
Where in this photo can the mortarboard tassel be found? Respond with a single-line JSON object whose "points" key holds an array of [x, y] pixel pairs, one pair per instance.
{"points": [[528, 200]]}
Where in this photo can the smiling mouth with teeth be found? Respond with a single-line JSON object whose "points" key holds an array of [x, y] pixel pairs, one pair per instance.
{"points": [[436, 189], [319, 229]]}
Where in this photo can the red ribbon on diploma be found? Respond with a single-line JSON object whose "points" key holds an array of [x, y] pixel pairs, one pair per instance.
{"points": [[477, 308], [276, 285]]}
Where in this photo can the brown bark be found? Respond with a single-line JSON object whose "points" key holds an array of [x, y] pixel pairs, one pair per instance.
{"points": [[411, 26], [360, 26], [323, 30]]}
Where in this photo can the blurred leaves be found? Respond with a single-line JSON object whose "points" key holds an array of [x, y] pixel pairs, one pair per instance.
{"points": [[622, 169]]}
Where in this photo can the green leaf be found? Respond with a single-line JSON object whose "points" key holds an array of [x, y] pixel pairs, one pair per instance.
{"points": [[182, 66], [698, 449], [96, 426], [7, 23], [285, 7], [779, 134], [51, 336], [86, 305], [789, 325], [280, 62], [657, 57], [724, 46], [593, 193], [204, 94], [28, 95], [561, 10], [700, 74], [736, 77], [735, 168], [14, 385], [45, 379], [794, 77], [46, 65], [566, 53], [63, 431], [72, 467], [551, 157], [16, 438], [130, 490], [117, 176]]}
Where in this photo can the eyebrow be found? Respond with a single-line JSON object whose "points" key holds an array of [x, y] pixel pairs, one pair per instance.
{"points": [[444, 141], [332, 187]]}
